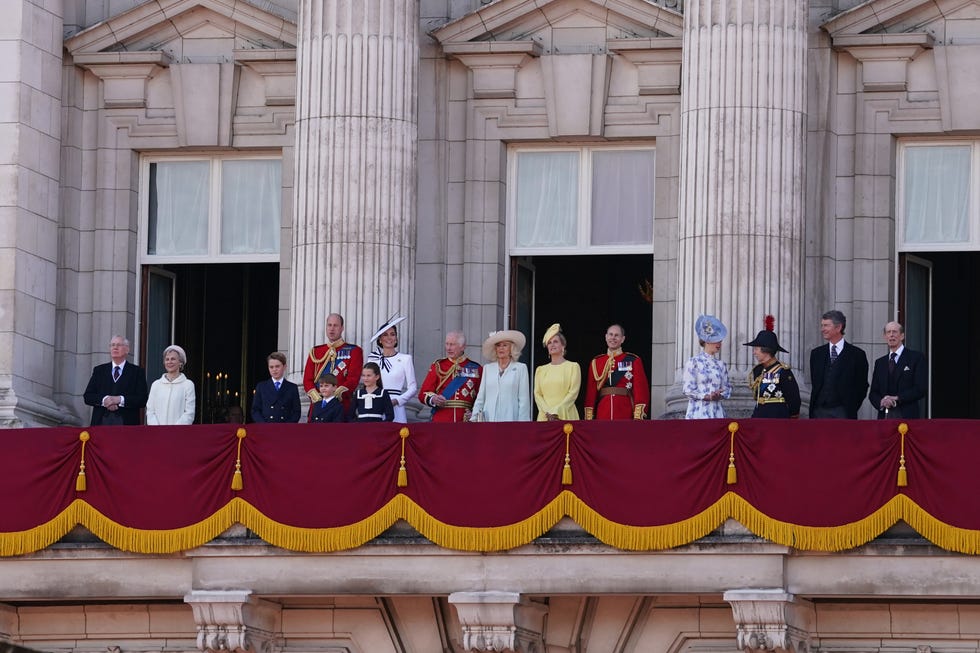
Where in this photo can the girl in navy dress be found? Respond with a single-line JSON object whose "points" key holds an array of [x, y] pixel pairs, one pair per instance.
{"points": [[371, 402]]}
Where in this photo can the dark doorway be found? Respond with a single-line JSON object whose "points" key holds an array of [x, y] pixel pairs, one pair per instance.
{"points": [[225, 316], [585, 294], [940, 295]]}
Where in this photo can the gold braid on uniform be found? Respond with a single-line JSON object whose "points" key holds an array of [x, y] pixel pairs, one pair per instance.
{"points": [[319, 364]]}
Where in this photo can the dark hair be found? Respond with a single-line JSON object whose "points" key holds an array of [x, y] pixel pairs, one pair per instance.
{"points": [[276, 355], [377, 370], [701, 342], [837, 318], [393, 327], [327, 377]]}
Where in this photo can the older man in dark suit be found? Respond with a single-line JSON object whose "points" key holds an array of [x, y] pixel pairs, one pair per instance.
{"points": [[900, 378], [838, 372], [117, 390]]}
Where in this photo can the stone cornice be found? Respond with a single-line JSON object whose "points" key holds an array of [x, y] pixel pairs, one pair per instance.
{"points": [[884, 57], [657, 61]]}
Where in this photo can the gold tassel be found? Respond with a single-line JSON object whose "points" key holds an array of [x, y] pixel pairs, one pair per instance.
{"points": [[236, 480], [732, 473], [566, 471], [402, 472], [80, 483], [903, 476]]}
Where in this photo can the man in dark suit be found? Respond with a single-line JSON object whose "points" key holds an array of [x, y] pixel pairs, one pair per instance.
{"points": [[838, 372], [276, 399], [117, 390], [900, 379]]}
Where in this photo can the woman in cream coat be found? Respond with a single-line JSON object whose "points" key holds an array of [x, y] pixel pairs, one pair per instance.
{"points": [[505, 391], [171, 398]]}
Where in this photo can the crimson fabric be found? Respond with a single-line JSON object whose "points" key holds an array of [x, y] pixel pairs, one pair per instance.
{"points": [[813, 473]]}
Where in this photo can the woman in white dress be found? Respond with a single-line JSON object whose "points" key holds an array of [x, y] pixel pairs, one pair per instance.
{"points": [[705, 376], [505, 391], [397, 369], [171, 399]]}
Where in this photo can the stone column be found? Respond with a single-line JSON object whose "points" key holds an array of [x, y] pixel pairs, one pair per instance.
{"points": [[742, 138], [30, 142], [356, 138]]}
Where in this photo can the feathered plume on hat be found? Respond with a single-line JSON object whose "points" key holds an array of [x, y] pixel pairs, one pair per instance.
{"points": [[767, 337]]}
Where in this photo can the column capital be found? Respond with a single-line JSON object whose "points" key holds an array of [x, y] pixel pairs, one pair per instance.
{"points": [[500, 621], [771, 620], [233, 621]]}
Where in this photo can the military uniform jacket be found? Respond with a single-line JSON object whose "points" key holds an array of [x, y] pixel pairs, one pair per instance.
{"points": [[616, 387], [775, 389], [339, 358], [456, 380]]}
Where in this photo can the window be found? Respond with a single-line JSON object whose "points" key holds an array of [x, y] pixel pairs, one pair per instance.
{"points": [[937, 203], [578, 199], [226, 208]]}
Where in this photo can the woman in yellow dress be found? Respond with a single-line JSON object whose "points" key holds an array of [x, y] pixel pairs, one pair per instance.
{"points": [[556, 384]]}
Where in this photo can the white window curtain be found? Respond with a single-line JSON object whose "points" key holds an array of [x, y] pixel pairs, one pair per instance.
{"points": [[178, 211], [251, 206], [622, 197], [547, 199], [937, 194]]}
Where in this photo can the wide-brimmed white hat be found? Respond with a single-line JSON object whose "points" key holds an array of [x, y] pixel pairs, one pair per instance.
{"points": [[390, 322], [515, 337]]}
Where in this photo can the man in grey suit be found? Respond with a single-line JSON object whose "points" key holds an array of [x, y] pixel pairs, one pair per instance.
{"points": [[838, 372], [900, 378]]}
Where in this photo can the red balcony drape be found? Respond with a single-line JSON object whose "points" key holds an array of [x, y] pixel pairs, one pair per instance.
{"points": [[811, 484]]}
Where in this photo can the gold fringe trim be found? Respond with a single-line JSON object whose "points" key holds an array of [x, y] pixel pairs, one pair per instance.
{"points": [[633, 538]]}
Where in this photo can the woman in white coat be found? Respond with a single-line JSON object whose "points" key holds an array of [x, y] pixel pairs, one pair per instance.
{"points": [[505, 392], [171, 398], [397, 368]]}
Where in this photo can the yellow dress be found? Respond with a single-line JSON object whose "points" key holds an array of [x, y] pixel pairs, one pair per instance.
{"points": [[556, 389]]}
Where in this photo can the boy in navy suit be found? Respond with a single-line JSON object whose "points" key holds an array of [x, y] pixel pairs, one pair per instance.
{"points": [[276, 399], [329, 408]]}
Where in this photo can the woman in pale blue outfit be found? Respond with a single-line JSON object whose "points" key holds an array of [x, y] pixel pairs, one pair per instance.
{"points": [[705, 376], [505, 390]]}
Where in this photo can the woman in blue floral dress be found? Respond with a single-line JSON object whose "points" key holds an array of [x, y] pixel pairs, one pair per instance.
{"points": [[705, 376]]}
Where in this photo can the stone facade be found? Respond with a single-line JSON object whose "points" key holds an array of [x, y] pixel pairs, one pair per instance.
{"points": [[428, 119]]}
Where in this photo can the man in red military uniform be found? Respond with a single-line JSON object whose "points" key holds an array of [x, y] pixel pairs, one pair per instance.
{"points": [[616, 385], [336, 357], [452, 383]]}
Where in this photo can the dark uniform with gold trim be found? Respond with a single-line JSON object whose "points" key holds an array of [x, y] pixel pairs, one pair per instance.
{"points": [[776, 391]]}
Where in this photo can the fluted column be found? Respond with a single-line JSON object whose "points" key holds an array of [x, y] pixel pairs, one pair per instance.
{"points": [[742, 151], [356, 136]]}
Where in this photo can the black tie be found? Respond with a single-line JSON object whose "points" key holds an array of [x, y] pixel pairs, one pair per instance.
{"points": [[891, 363], [115, 373], [833, 354]]}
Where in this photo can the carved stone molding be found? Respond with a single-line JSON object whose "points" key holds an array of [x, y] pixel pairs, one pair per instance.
{"points": [[771, 620], [884, 57], [657, 61], [124, 75], [278, 71], [233, 621], [500, 621], [494, 65]]}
